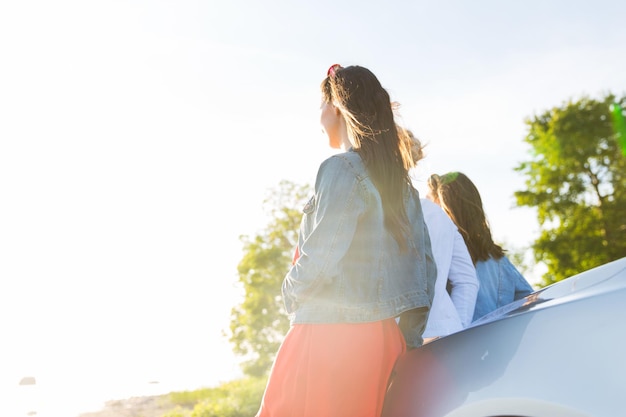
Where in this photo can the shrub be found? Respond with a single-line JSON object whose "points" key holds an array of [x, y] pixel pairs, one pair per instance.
{"points": [[238, 398]]}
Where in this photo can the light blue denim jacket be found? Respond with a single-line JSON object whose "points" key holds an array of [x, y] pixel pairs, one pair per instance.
{"points": [[350, 268], [500, 284]]}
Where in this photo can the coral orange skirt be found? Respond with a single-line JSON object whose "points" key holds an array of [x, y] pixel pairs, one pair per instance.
{"points": [[333, 370]]}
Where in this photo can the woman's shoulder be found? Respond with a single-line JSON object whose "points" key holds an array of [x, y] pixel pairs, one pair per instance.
{"points": [[435, 217], [349, 160], [348, 156], [502, 264], [509, 268], [490, 264]]}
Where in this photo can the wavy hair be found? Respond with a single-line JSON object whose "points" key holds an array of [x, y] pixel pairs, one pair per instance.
{"points": [[369, 115], [459, 197]]}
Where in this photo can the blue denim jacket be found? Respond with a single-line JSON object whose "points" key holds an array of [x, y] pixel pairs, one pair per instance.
{"points": [[500, 284], [350, 268]]}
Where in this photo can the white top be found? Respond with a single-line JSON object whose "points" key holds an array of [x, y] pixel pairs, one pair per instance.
{"points": [[449, 312]]}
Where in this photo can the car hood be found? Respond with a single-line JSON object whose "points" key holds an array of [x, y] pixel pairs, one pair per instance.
{"points": [[606, 278]]}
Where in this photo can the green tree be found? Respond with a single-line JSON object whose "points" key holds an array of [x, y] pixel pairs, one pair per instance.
{"points": [[259, 323], [576, 178]]}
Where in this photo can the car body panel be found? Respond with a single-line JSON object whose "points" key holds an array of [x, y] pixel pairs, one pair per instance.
{"points": [[560, 348]]}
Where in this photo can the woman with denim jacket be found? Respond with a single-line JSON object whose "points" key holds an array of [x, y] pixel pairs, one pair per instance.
{"points": [[500, 282], [360, 263]]}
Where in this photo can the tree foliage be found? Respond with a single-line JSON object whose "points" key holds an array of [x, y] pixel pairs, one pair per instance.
{"points": [[576, 178], [259, 323]]}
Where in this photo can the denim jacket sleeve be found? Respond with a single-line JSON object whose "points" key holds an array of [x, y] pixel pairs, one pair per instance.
{"points": [[521, 287], [329, 226]]}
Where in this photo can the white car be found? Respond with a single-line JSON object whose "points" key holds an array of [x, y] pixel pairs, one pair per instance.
{"points": [[559, 352]]}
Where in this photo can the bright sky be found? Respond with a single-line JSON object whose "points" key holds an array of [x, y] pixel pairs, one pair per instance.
{"points": [[139, 138]]}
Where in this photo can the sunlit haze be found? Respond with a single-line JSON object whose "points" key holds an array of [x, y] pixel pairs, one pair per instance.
{"points": [[139, 139]]}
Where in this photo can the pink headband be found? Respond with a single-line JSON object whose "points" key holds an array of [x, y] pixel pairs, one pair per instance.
{"points": [[333, 70]]}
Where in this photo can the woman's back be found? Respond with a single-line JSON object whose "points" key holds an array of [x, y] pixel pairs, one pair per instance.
{"points": [[500, 284], [351, 269], [451, 311]]}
